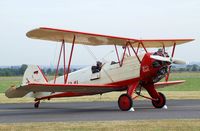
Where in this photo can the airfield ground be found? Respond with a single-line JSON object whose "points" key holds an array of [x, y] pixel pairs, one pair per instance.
{"points": [[136, 125], [189, 90]]}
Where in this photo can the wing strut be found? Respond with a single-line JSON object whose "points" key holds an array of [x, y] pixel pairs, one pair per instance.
{"points": [[173, 50], [63, 42], [117, 53], [128, 45], [65, 71], [70, 59]]}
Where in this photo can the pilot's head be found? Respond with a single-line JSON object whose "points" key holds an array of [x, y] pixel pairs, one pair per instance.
{"points": [[160, 50], [99, 63]]}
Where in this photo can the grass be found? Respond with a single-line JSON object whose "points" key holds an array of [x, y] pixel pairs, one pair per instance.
{"points": [[192, 82], [136, 125], [6, 82]]}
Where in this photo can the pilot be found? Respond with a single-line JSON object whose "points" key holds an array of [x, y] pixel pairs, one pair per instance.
{"points": [[96, 68], [158, 63], [99, 65], [161, 52]]}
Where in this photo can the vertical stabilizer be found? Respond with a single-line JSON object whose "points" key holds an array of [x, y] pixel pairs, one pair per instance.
{"points": [[33, 74]]}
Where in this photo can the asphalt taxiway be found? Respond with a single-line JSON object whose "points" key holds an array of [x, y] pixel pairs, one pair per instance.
{"points": [[96, 111]]}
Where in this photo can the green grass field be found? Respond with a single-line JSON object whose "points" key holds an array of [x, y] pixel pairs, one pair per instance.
{"points": [[192, 82], [6, 82]]}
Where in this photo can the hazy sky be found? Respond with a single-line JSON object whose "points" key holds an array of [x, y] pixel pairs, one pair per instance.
{"points": [[127, 18]]}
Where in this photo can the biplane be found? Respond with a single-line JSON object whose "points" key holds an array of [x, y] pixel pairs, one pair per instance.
{"points": [[132, 72]]}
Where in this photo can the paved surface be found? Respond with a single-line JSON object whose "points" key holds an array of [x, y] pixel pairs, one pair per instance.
{"points": [[92, 111]]}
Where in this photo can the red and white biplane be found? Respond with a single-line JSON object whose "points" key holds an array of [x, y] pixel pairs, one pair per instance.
{"points": [[131, 73]]}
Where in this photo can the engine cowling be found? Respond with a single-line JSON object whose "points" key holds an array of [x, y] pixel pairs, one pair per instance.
{"points": [[152, 70]]}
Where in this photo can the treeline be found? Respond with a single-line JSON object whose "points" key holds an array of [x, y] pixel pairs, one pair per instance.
{"points": [[188, 68], [13, 71], [50, 72], [19, 71]]}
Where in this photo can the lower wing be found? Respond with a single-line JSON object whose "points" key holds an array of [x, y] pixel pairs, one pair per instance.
{"points": [[168, 83], [21, 91], [17, 92]]}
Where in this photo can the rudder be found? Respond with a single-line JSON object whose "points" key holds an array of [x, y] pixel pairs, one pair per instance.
{"points": [[33, 74]]}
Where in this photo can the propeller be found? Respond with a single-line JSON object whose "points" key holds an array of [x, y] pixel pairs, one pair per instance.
{"points": [[168, 59]]}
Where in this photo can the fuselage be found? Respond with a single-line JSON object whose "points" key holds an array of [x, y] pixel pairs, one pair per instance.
{"points": [[114, 73], [110, 72]]}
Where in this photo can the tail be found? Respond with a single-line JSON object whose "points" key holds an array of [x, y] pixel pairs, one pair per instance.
{"points": [[34, 74]]}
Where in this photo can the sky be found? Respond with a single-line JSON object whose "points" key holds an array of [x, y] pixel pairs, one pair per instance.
{"points": [[143, 19]]}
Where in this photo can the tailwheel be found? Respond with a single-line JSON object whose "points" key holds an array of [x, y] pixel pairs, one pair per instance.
{"points": [[160, 102], [37, 103], [125, 102]]}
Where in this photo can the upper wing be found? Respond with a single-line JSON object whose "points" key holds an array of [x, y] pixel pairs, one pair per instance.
{"points": [[59, 35], [21, 91]]}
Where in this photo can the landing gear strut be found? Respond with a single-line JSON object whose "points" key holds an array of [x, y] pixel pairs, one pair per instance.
{"points": [[160, 102], [159, 99], [37, 103], [125, 102]]}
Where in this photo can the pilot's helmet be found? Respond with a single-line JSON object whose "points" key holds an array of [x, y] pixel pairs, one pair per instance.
{"points": [[99, 63], [160, 50]]}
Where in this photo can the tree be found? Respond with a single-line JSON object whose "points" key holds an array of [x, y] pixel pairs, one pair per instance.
{"points": [[195, 67], [49, 71], [60, 71], [188, 67], [22, 69], [182, 69]]}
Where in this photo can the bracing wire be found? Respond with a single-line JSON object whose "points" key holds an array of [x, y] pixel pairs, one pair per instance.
{"points": [[54, 56], [90, 52], [95, 58]]}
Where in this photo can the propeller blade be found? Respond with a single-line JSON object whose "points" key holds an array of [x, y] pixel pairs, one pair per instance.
{"points": [[168, 59], [160, 58], [178, 61]]}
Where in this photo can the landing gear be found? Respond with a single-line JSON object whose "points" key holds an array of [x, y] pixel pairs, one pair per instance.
{"points": [[37, 103], [158, 99], [125, 102], [160, 102]]}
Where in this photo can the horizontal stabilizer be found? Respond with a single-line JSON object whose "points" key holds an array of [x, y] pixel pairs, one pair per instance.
{"points": [[13, 92]]}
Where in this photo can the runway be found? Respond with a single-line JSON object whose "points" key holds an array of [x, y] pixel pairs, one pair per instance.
{"points": [[97, 111]]}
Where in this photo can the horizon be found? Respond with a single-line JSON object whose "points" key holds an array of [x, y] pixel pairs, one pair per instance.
{"points": [[75, 66]]}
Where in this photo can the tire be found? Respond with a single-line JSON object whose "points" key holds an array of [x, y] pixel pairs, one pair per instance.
{"points": [[36, 105], [161, 101], [125, 102]]}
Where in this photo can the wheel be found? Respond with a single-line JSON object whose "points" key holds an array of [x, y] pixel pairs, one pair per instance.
{"points": [[160, 102], [125, 102], [37, 103]]}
